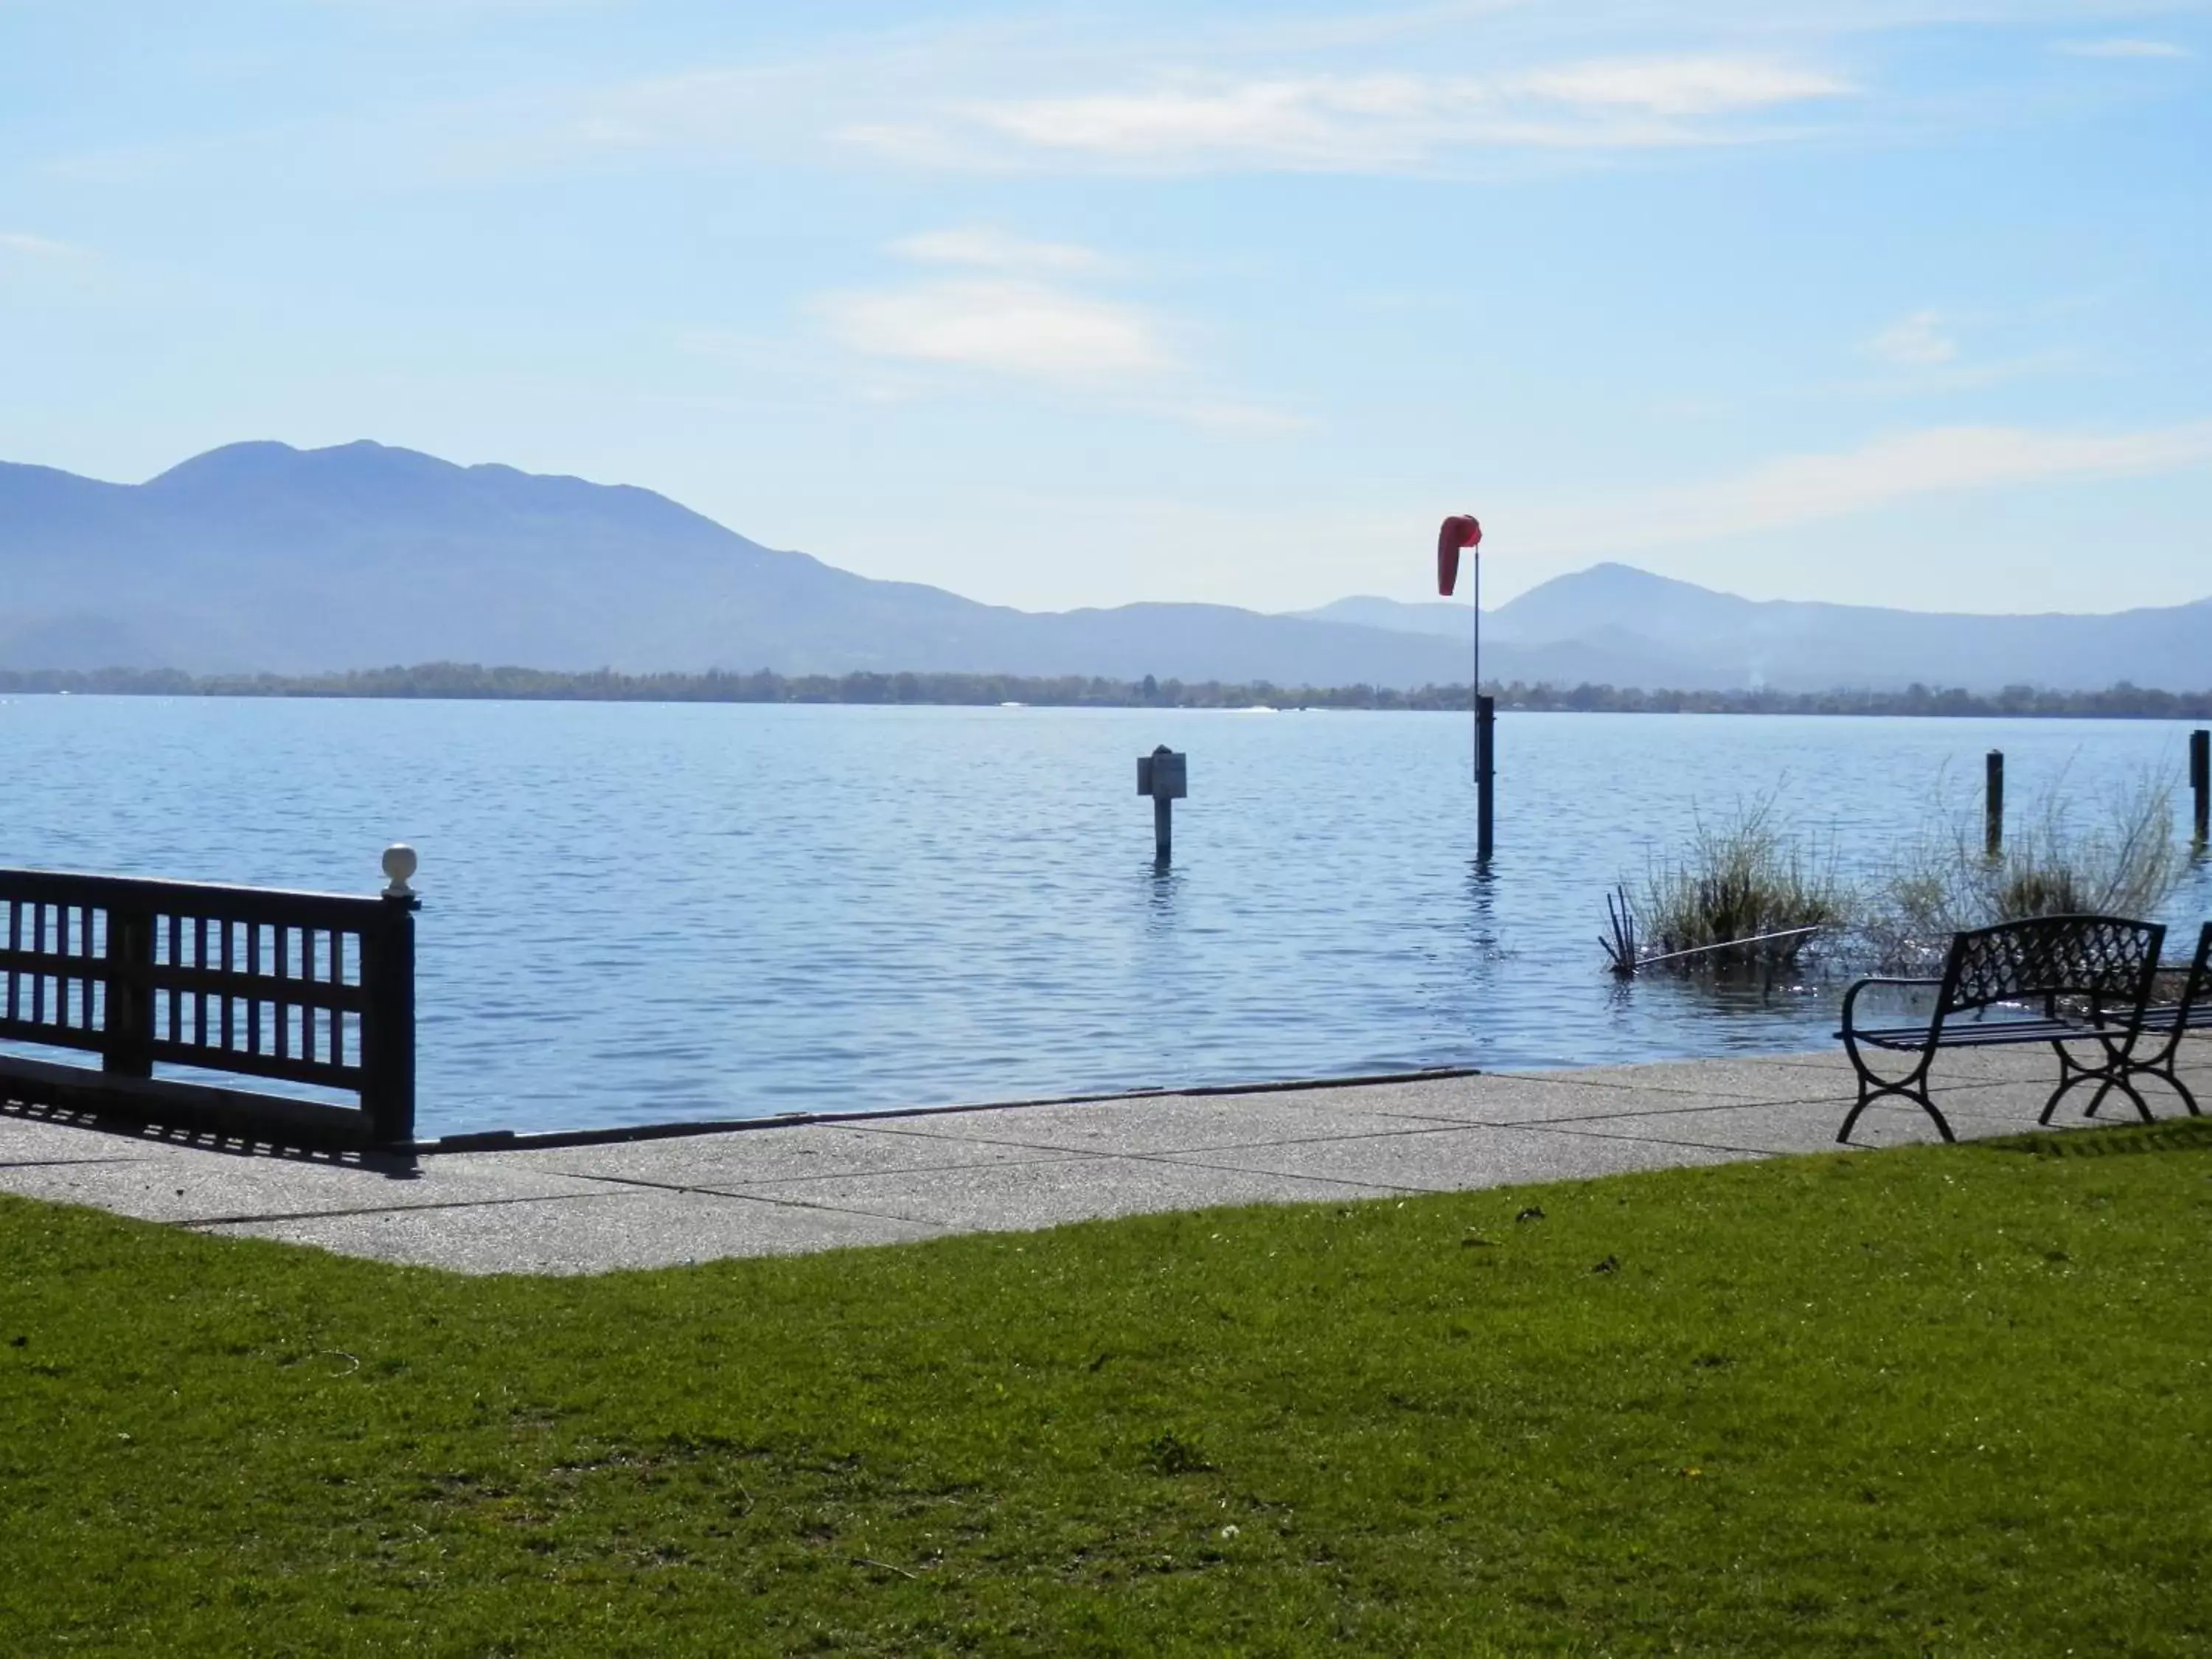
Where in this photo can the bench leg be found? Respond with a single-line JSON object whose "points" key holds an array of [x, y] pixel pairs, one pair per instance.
{"points": [[1871, 1088], [2112, 1074], [2165, 1072]]}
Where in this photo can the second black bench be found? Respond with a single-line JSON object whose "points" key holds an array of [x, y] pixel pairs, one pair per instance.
{"points": [[2104, 966]]}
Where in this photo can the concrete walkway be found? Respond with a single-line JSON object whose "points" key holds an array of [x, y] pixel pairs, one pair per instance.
{"points": [[892, 1179]]}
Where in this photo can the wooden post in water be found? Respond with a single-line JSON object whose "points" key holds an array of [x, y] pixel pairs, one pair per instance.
{"points": [[2200, 783], [1485, 770], [1993, 805], [1166, 776]]}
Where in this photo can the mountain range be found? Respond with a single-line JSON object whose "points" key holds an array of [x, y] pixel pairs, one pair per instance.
{"points": [[259, 556]]}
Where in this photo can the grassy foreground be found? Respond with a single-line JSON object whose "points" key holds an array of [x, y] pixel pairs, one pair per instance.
{"points": [[1949, 1399]]}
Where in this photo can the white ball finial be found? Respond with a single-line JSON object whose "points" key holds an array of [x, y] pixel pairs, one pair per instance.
{"points": [[399, 863]]}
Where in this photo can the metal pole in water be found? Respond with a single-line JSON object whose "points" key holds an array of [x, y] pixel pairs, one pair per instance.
{"points": [[1166, 776], [1463, 531], [2200, 783], [1485, 754], [1993, 804]]}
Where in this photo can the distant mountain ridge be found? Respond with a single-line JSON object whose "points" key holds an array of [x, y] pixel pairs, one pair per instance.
{"points": [[1616, 624], [259, 556]]}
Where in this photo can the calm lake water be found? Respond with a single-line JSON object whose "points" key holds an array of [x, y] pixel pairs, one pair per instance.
{"points": [[648, 913]]}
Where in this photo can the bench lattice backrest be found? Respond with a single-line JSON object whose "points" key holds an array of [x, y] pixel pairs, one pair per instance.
{"points": [[2108, 959]]}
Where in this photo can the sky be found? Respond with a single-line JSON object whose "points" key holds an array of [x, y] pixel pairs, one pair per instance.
{"points": [[1880, 302]]}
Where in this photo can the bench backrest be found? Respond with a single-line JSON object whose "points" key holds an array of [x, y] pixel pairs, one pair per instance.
{"points": [[2111, 959], [2197, 989]]}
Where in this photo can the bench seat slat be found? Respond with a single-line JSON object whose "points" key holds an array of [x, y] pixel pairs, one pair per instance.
{"points": [[2168, 1016], [1977, 1034]]}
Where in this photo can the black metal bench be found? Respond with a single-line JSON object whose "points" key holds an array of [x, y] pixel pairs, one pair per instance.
{"points": [[2105, 964], [2172, 1022]]}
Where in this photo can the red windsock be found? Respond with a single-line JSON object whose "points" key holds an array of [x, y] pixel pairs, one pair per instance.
{"points": [[1459, 530]]}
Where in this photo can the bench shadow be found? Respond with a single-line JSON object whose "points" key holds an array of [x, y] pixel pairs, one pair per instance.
{"points": [[2188, 1134]]}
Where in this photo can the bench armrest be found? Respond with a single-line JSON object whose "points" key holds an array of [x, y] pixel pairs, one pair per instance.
{"points": [[1851, 996]]}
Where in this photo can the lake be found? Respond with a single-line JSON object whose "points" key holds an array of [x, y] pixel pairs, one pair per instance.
{"points": [[637, 913]]}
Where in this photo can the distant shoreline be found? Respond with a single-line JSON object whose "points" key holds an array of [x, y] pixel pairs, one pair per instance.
{"points": [[469, 682]]}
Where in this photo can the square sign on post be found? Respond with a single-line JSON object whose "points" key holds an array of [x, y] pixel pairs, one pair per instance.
{"points": [[1166, 776]]}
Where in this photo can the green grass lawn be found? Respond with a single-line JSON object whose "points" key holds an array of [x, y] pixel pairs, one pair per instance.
{"points": [[1950, 1400]]}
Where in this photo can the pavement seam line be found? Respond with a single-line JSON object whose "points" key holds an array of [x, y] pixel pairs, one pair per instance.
{"points": [[791, 1203], [69, 1162], [1057, 1156], [386, 1209]]}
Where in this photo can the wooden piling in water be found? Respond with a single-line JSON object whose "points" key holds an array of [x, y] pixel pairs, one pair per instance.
{"points": [[2200, 782], [1993, 804]]}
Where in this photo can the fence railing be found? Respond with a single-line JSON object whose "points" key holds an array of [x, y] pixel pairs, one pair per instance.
{"points": [[314, 988]]}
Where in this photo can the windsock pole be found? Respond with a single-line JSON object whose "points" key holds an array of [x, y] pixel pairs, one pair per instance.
{"points": [[1462, 531]]}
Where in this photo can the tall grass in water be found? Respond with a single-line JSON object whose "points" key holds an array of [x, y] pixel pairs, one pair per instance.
{"points": [[2129, 864], [1741, 881]]}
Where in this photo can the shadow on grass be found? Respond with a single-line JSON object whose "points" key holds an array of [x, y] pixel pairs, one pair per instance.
{"points": [[2192, 1134]]}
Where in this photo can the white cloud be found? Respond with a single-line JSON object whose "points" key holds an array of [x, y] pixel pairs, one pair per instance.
{"points": [[1686, 86], [39, 247], [994, 251], [1356, 122], [1015, 322], [1919, 341], [1291, 119], [1798, 489], [1010, 327], [2122, 49]]}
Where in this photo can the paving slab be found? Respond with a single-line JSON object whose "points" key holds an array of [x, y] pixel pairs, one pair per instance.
{"points": [[1508, 1099], [185, 1185], [37, 1140], [799, 1152], [1164, 1124], [1748, 1077], [1793, 1126], [607, 1231], [1458, 1159], [1018, 1197]]}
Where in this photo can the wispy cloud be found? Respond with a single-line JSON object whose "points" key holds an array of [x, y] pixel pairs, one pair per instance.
{"points": [[1334, 122], [1009, 326], [2123, 48], [993, 250], [36, 247], [1687, 86], [1024, 314], [1918, 341], [1800, 490]]}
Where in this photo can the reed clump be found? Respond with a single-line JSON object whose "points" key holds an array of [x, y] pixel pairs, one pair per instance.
{"points": [[2056, 861], [1745, 893]]}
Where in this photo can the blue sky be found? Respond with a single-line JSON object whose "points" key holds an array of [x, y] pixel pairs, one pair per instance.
{"points": [[1895, 301]]}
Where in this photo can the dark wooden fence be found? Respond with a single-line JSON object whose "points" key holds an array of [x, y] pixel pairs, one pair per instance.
{"points": [[302, 987]]}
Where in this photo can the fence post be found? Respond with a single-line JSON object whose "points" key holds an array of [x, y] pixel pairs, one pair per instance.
{"points": [[2200, 782], [387, 1025], [1993, 806], [127, 1027]]}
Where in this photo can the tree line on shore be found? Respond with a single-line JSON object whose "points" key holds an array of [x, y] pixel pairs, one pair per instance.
{"points": [[474, 681]]}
